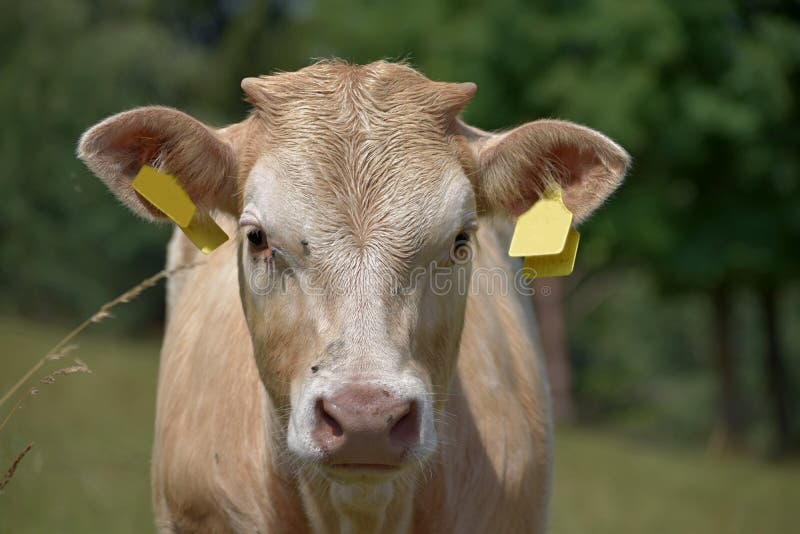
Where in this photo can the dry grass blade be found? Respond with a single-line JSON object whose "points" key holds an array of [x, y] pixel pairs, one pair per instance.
{"points": [[104, 312], [79, 367], [62, 348], [14, 408], [13, 468], [63, 353]]}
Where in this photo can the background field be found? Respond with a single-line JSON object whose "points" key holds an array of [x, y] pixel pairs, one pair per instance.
{"points": [[673, 350], [89, 468]]}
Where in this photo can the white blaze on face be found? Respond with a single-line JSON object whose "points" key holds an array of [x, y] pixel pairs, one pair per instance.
{"points": [[337, 302]]}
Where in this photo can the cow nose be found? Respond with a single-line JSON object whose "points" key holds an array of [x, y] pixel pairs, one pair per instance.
{"points": [[365, 426]]}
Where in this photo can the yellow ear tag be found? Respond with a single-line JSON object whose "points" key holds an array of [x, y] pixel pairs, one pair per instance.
{"points": [[545, 238], [204, 233], [163, 192]]}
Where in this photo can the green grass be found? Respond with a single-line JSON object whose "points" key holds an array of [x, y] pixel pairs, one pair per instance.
{"points": [[606, 484], [89, 469]]}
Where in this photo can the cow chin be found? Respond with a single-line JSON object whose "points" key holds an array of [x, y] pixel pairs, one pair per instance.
{"points": [[363, 429]]}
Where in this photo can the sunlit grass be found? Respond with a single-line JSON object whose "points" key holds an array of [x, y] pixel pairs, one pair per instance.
{"points": [[89, 468], [605, 484]]}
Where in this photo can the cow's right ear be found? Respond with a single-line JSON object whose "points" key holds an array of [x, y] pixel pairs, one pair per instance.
{"points": [[200, 159]]}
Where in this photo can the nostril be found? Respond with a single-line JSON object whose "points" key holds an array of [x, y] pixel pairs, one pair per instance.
{"points": [[329, 425], [406, 430]]}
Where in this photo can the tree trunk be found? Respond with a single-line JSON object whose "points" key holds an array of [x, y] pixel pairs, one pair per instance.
{"points": [[775, 370], [548, 301], [729, 428]]}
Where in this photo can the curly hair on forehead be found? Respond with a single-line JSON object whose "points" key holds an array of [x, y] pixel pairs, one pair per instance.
{"points": [[363, 141], [380, 87]]}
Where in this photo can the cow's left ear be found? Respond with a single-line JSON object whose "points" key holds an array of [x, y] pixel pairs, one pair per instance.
{"points": [[514, 168]]}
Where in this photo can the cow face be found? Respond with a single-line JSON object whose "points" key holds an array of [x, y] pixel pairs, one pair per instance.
{"points": [[358, 194], [356, 209]]}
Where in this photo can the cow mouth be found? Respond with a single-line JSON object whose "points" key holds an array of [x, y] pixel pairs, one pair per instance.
{"points": [[365, 467], [353, 472]]}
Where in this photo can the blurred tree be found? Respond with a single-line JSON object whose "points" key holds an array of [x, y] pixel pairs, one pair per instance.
{"points": [[73, 63], [710, 108], [703, 94]]}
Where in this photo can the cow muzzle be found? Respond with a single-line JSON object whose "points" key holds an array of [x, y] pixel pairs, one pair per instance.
{"points": [[365, 427]]}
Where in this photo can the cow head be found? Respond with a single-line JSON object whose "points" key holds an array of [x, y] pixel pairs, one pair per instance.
{"points": [[358, 193]]}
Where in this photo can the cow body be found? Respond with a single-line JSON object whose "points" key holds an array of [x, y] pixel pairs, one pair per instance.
{"points": [[358, 358]]}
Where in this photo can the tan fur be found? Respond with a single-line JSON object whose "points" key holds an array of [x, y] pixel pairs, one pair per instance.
{"points": [[370, 168], [492, 473]]}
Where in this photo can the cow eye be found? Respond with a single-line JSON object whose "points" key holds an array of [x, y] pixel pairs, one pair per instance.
{"points": [[257, 238], [462, 251]]}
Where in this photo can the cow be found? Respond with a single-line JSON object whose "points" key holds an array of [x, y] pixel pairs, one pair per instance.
{"points": [[323, 371]]}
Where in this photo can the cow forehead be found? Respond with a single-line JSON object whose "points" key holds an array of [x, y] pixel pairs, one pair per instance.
{"points": [[357, 161], [356, 215]]}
